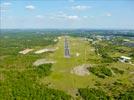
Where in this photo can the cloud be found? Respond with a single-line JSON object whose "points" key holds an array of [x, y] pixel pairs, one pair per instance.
{"points": [[80, 7], [62, 16], [30, 7], [72, 17], [109, 14], [6, 3], [5, 6], [68, 17], [40, 16]]}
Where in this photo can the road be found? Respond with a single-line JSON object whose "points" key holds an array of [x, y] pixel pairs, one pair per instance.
{"points": [[66, 48]]}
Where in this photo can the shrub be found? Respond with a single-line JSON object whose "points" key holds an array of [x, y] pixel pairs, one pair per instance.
{"points": [[106, 71], [101, 71], [116, 70], [92, 94], [128, 95], [20, 86], [43, 69]]}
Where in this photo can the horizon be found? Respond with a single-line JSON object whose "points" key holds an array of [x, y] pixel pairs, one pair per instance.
{"points": [[64, 29]]}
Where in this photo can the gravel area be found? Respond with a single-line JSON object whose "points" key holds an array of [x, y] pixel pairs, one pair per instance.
{"points": [[42, 61], [81, 70]]}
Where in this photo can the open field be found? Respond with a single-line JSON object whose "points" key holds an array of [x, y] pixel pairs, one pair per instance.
{"points": [[62, 78], [19, 68]]}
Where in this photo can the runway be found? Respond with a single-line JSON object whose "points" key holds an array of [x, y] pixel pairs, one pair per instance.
{"points": [[66, 49]]}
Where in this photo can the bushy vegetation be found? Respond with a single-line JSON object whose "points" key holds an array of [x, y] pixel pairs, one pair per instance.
{"points": [[23, 86], [19, 80], [128, 95], [12, 43], [101, 71], [43, 70], [112, 91], [132, 55], [117, 71], [118, 89], [101, 50], [92, 94]]}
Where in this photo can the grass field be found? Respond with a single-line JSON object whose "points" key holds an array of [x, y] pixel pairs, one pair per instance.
{"points": [[62, 79]]}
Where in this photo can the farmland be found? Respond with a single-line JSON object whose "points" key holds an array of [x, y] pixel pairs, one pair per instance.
{"points": [[21, 79]]}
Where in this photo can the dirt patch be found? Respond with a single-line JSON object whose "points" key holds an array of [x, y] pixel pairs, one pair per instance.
{"points": [[132, 72], [45, 50], [55, 40], [81, 70], [26, 51], [59, 38], [77, 54], [43, 61], [92, 49]]}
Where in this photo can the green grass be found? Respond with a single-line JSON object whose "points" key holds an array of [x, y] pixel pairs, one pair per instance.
{"points": [[61, 78]]}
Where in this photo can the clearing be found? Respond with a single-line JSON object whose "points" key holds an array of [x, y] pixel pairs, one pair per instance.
{"points": [[81, 70], [42, 61], [26, 51], [61, 77], [45, 50]]}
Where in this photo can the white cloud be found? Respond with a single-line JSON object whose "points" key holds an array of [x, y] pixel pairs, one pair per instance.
{"points": [[109, 14], [63, 16], [40, 16], [80, 7], [30, 7], [72, 17], [6, 3]]}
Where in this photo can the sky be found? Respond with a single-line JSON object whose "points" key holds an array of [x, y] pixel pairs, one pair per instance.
{"points": [[67, 14]]}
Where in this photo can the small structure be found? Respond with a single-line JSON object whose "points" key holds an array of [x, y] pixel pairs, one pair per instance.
{"points": [[126, 40], [124, 59]]}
